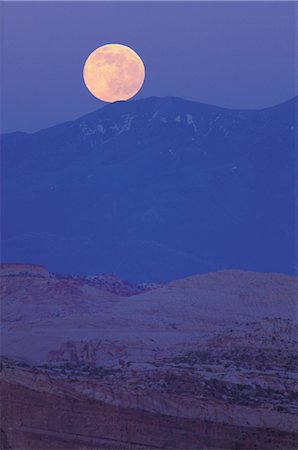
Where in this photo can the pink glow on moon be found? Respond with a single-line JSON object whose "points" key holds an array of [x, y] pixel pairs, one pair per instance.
{"points": [[114, 72]]}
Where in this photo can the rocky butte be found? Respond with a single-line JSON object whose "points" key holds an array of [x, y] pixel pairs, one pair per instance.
{"points": [[204, 362]]}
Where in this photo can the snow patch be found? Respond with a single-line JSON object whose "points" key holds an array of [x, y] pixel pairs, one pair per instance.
{"points": [[100, 128], [160, 118], [86, 130], [127, 123], [115, 128], [190, 121], [163, 119]]}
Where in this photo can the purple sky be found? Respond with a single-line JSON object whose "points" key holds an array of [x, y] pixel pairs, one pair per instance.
{"points": [[233, 54]]}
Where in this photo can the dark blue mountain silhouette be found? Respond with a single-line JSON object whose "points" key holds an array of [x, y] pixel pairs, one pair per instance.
{"points": [[154, 189]]}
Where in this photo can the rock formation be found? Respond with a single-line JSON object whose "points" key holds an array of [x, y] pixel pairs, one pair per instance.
{"points": [[206, 362]]}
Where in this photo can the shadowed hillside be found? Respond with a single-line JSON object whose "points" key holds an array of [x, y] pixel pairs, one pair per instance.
{"points": [[154, 190]]}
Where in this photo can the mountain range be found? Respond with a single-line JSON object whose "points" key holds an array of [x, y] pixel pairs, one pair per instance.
{"points": [[154, 190]]}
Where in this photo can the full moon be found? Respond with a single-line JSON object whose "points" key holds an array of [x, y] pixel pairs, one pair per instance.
{"points": [[114, 72]]}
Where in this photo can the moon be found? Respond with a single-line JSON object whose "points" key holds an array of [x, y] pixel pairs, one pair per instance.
{"points": [[114, 72]]}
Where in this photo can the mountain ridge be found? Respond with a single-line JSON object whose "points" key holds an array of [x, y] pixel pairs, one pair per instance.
{"points": [[154, 190], [151, 98]]}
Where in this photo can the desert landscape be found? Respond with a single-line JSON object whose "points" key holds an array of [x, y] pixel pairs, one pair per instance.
{"points": [[148, 261], [205, 362]]}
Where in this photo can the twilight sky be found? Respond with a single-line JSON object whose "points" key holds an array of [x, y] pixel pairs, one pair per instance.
{"points": [[233, 54]]}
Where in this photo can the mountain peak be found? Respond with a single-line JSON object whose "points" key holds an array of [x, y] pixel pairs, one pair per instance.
{"points": [[154, 189]]}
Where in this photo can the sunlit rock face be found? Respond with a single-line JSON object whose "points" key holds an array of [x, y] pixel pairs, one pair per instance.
{"points": [[155, 190], [205, 362]]}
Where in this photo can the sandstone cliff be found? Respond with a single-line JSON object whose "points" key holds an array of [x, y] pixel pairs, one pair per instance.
{"points": [[207, 362]]}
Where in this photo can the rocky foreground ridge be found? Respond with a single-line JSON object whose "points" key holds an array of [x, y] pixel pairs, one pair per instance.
{"points": [[206, 362]]}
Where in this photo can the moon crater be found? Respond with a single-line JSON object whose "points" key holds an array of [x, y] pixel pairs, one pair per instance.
{"points": [[114, 72]]}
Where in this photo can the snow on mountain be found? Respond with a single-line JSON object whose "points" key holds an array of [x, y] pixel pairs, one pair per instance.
{"points": [[154, 190]]}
